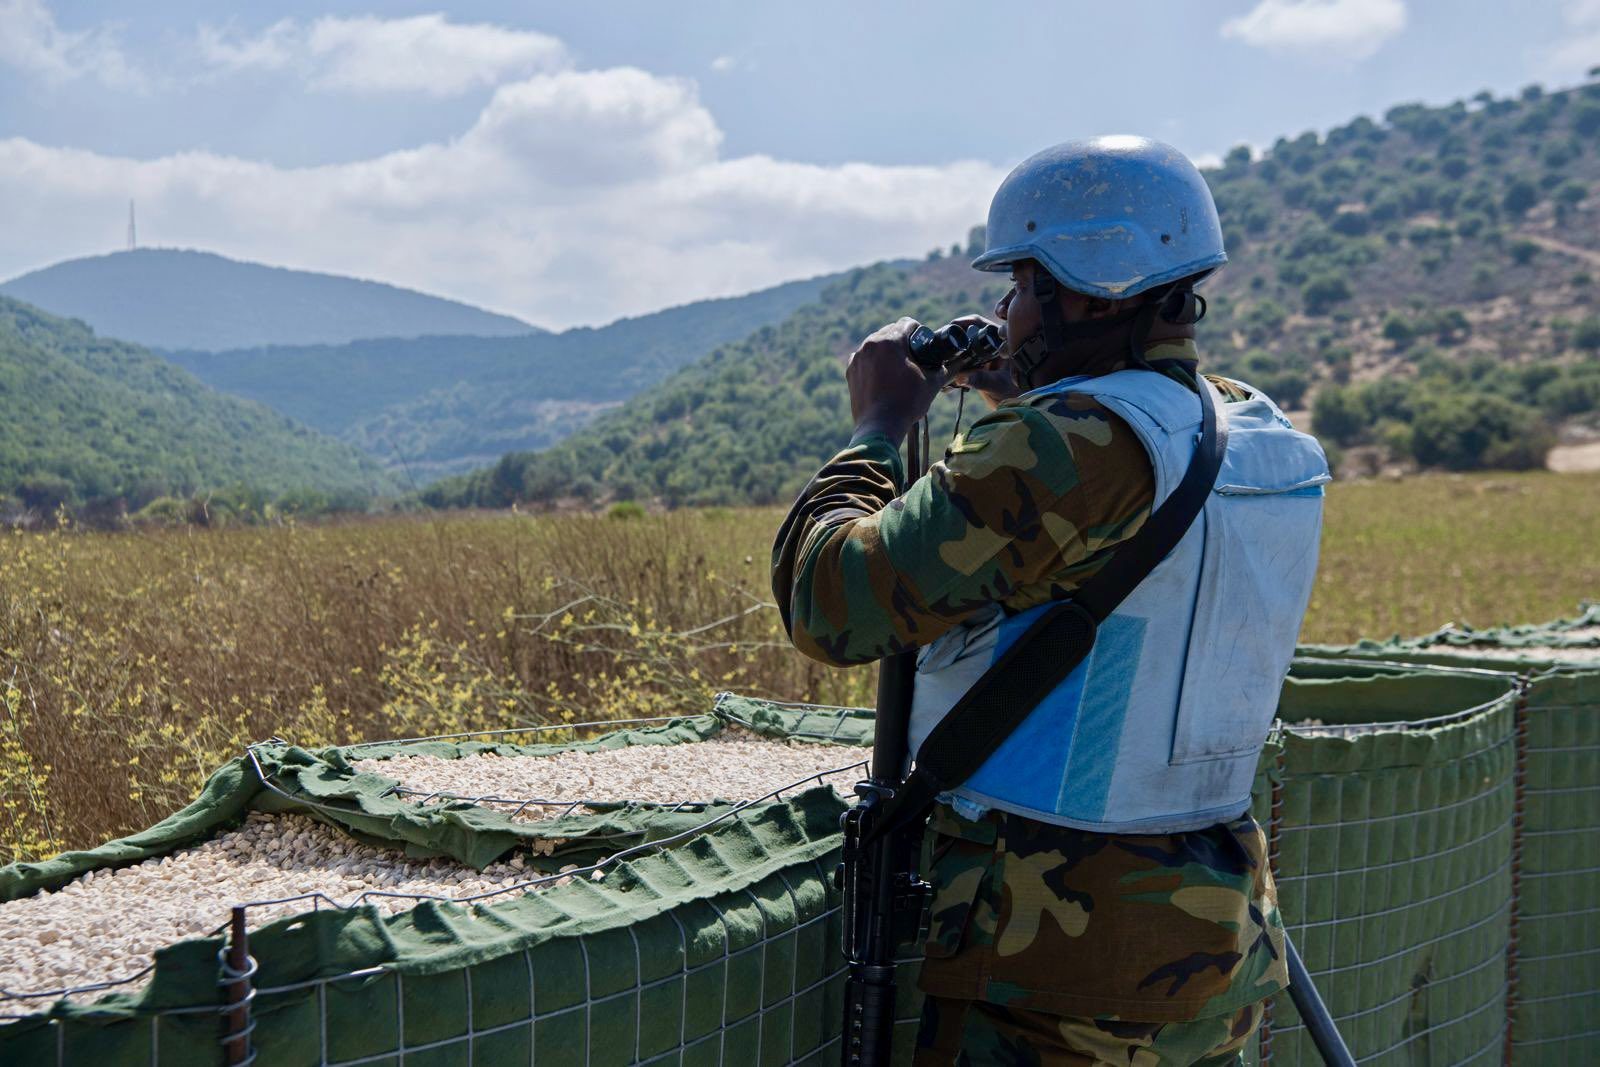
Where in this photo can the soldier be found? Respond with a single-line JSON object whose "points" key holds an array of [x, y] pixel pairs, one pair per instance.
{"points": [[1101, 894]]}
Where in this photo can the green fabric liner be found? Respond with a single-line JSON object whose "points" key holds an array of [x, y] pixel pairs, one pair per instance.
{"points": [[1454, 636], [798, 722], [439, 937], [222, 803], [1350, 693]]}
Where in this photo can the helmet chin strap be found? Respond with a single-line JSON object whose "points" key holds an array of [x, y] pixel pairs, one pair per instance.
{"points": [[1178, 305]]}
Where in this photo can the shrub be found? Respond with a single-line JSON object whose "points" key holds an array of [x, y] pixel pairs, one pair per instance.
{"points": [[1485, 285], [1523, 251], [625, 510], [1265, 316], [1337, 414], [1351, 223], [1470, 431], [1569, 196], [1450, 326], [1321, 293], [1287, 388], [1571, 393], [1397, 329], [1587, 334], [1520, 196], [1586, 118]]}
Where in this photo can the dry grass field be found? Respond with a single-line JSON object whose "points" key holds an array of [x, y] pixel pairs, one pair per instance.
{"points": [[132, 664]]}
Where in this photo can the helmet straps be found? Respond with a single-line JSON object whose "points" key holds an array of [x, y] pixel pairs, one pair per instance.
{"points": [[1181, 306]]}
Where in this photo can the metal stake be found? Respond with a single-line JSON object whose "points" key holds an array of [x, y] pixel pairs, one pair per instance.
{"points": [[237, 971]]}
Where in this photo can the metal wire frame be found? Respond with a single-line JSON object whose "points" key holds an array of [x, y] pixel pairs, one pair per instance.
{"points": [[1491, 1046], [509, 731], [719, 1034], [789, 1000]]}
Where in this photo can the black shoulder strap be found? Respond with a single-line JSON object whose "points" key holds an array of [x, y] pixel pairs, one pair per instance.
{"points": [[1057, 641]]}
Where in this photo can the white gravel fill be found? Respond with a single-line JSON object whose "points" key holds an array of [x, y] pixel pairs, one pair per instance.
{"points": [[104, 926], [738, 767]]}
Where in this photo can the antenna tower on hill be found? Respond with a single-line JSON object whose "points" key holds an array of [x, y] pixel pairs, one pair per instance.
{"points": [[133, 234]]}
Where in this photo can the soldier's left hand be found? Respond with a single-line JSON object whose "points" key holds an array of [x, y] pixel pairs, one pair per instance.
{"points": [[888, 393]]}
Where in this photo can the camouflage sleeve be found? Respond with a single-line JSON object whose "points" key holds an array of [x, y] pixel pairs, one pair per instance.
{"points": [[1019, 511]]}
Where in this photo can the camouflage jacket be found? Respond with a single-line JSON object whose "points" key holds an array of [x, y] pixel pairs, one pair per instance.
{"points": [[1025, 506]]}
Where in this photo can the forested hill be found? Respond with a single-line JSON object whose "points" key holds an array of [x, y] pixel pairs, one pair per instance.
{"points": [[1425, 282], [437, 405], [91, 421], [748, 423], [175, 298]]}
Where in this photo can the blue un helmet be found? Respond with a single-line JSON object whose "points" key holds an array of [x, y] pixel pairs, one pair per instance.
{"points": [[1111, 217]]}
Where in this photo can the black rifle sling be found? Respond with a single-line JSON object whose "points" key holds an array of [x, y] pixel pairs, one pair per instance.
{"points": [[1057, 641]]}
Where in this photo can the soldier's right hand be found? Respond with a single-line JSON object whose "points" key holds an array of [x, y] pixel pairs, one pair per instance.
{"points": [[888, 392]]}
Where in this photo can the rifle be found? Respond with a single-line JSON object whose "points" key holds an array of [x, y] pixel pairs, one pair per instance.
{"points": [[885, 900]]}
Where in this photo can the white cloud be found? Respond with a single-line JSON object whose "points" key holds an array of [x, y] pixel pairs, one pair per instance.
{"points": [[273, 49], [723, 64], [367, 54], [1352, 29], [1571, 59], [31, 41], [575, 196]]}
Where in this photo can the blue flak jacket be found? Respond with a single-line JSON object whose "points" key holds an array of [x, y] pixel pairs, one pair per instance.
{"points": [[1158, 730]]}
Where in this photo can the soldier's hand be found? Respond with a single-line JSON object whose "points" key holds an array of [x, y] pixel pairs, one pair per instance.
{"points": [[888, 393]]}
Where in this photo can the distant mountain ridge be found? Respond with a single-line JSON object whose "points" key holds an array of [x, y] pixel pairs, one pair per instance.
{"points": [[178, 298], [439, 405], [89, 420]]}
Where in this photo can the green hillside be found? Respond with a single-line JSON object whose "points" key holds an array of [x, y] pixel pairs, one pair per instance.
{"points": [[438, 405], [1425, 282], [745, 425], [91, 421], [176, 298]]}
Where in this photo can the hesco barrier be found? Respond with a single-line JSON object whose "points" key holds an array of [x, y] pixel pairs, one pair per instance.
{"points": [[1391, 796], [1554, 985]]}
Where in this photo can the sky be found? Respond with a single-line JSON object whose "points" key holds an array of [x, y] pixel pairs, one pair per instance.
{"points": [[572, 163]]}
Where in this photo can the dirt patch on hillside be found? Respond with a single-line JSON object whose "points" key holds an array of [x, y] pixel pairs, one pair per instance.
{"points": [[1574, 459]]}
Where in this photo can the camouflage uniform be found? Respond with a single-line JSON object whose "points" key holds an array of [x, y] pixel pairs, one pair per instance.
{"points": [[970, 1032], [1037, 929]]}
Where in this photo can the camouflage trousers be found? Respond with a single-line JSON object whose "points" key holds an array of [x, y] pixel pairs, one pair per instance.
{"points": [[969, 1033]]}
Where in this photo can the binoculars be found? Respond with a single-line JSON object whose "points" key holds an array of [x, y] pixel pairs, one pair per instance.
{"points": [[955, 349]]}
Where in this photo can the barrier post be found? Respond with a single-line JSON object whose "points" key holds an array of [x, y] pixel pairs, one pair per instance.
{"points": [[237, 971], [1274, 829], [1519, 783]]}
